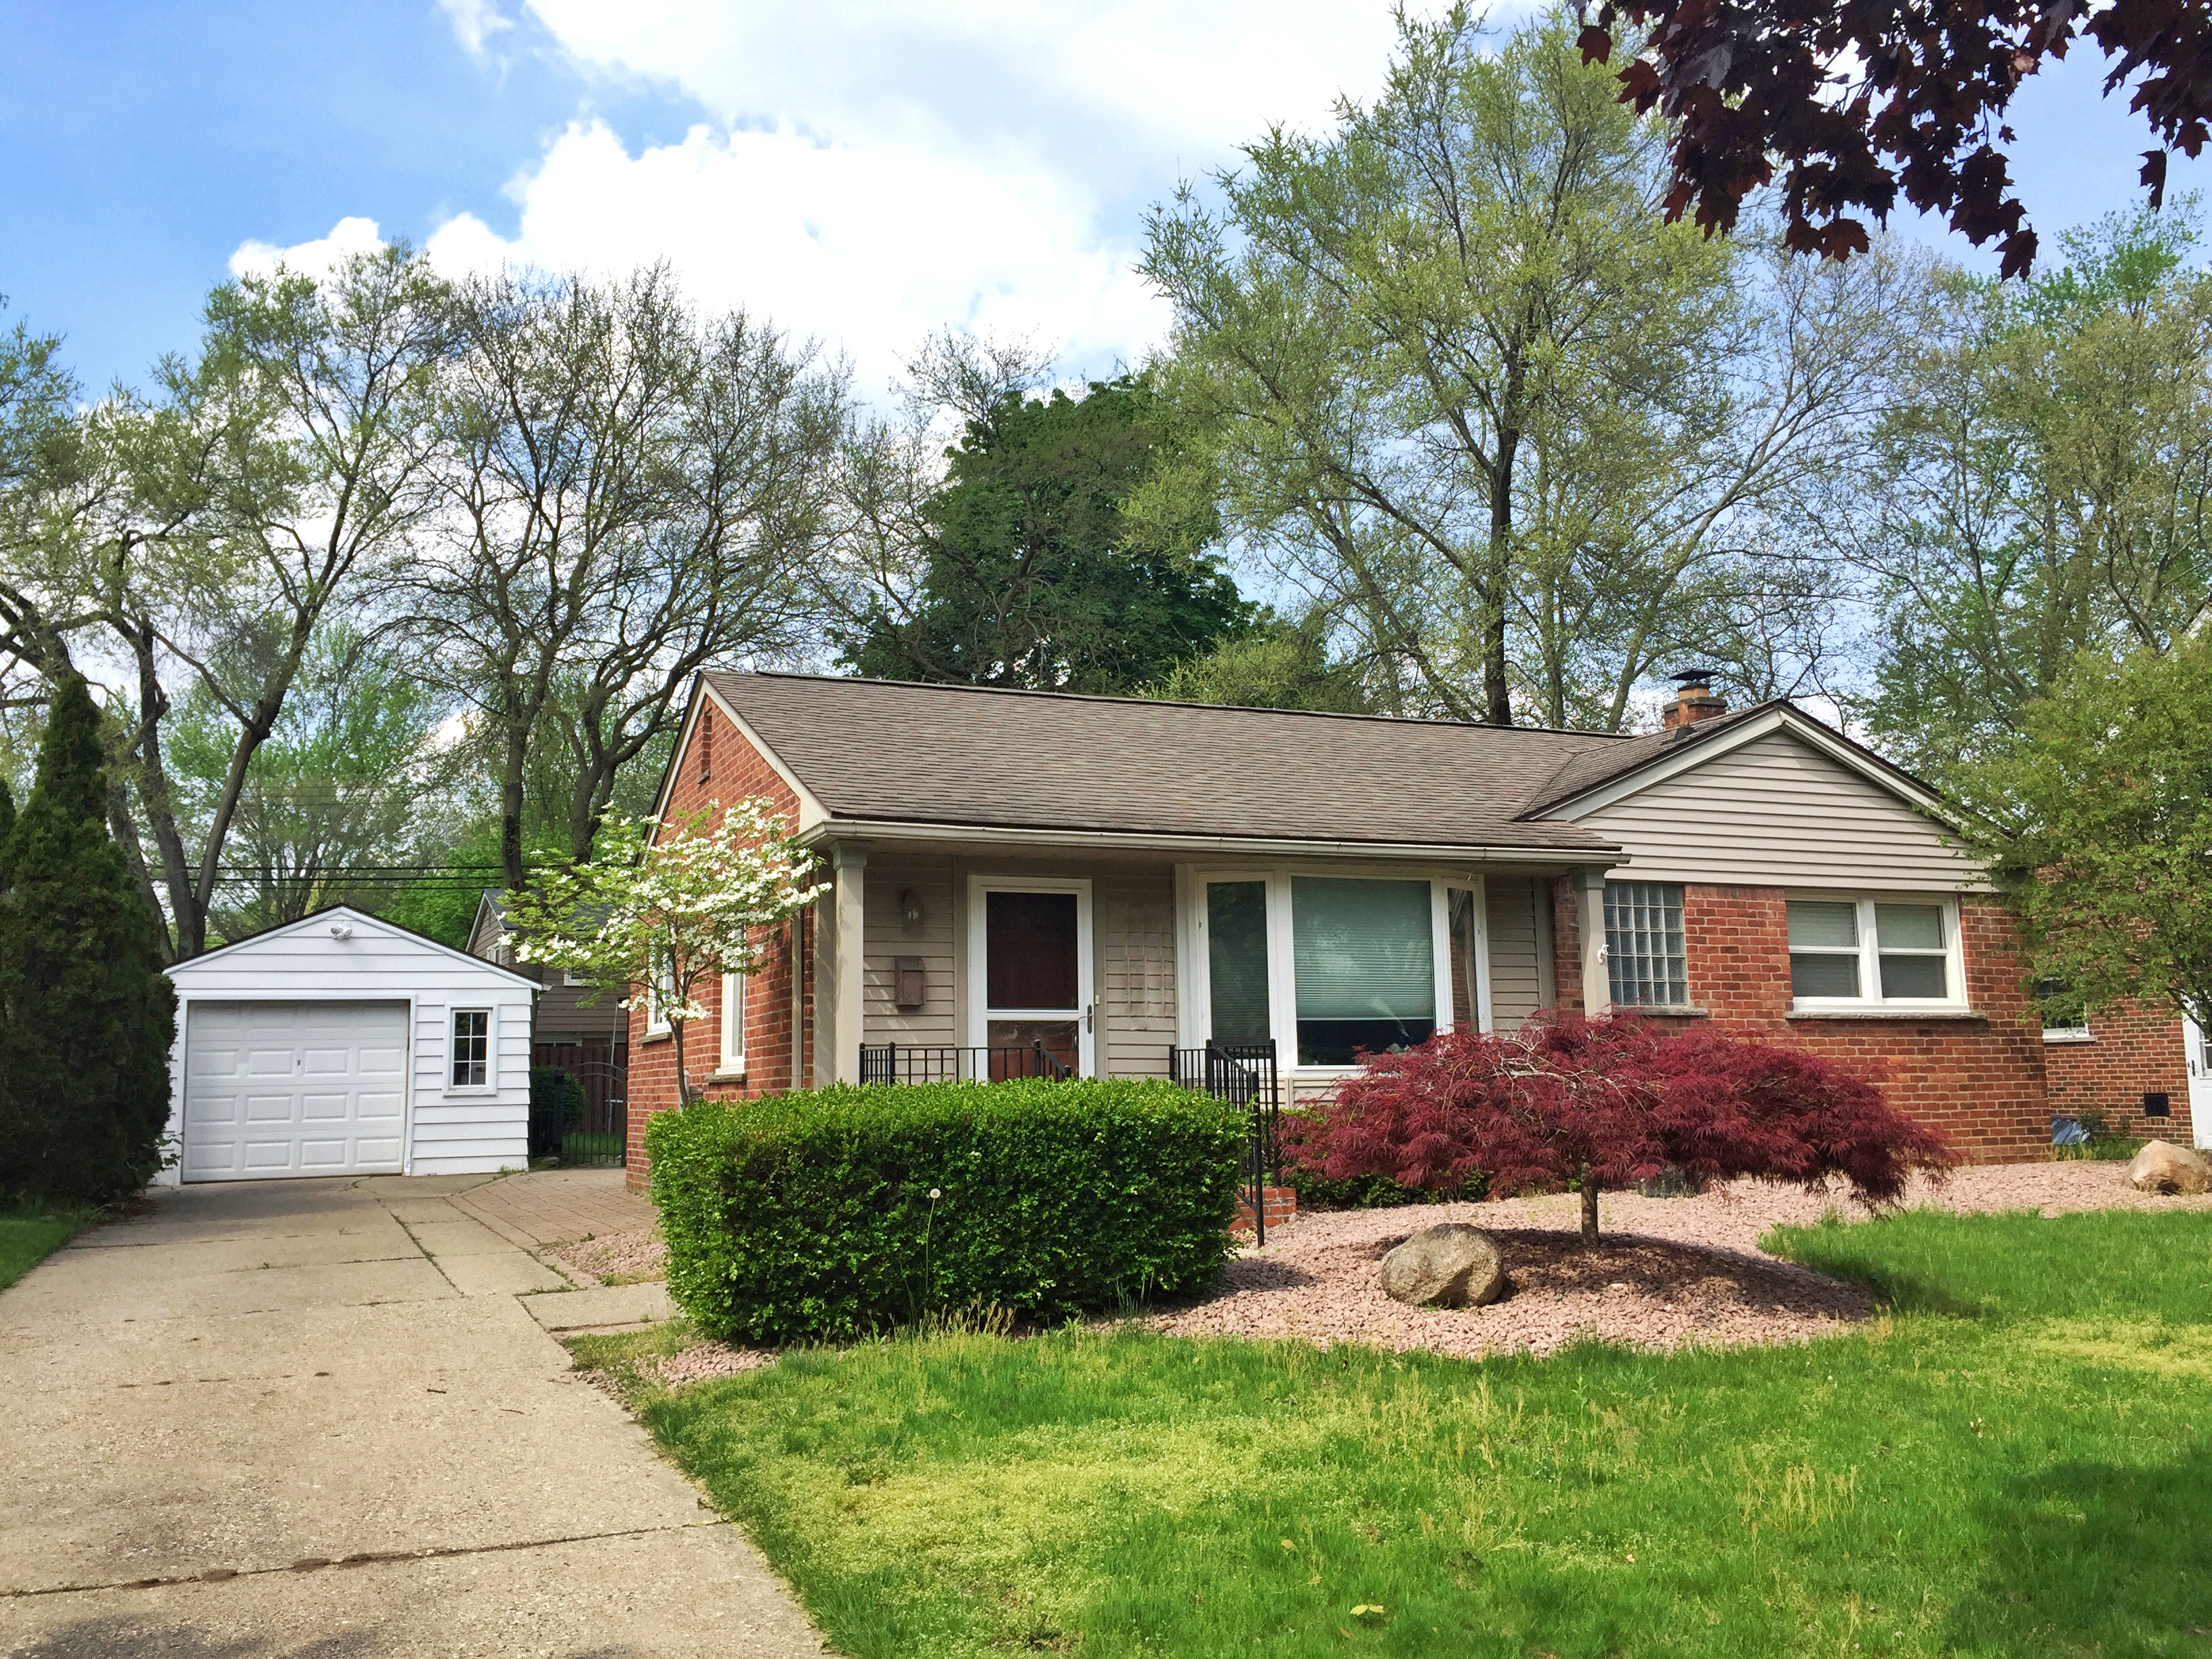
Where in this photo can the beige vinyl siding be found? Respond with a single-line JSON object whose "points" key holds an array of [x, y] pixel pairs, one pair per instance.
{"points": [[1777, 813], [885, 937], [1137, 927], [1515, 976]]}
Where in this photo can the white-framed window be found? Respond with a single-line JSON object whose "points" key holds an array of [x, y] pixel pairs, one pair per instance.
{"points": [[657, 999], [1645, 960], [574, 980], [470, 1058], [1872, 953], [733, 1024], [2063, 1021], [1325, 962]]}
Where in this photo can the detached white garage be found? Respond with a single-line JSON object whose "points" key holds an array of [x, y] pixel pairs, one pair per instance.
{"points": [[342, 1045]]}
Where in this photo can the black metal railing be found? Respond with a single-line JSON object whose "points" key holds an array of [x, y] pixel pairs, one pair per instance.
{"points": [[1243, 1074], [586, 1122], [913, 1062]]}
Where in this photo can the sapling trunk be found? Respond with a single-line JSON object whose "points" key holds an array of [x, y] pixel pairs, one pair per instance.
{"points": [[1589, 1208], [683, 1077]]}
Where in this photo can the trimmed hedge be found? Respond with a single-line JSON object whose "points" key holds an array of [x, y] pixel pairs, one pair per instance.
{"points": [[808, 1214]]}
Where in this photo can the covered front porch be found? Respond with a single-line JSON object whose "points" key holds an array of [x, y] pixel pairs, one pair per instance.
{"points": [[954, 958]]}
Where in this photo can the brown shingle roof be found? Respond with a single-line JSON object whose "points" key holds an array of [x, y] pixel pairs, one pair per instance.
{"points": [[961, 755]]}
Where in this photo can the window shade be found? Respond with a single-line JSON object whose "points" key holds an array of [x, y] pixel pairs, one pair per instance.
{"points": [[1363, 949]]}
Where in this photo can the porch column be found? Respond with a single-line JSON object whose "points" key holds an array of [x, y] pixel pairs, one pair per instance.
{"points": [[848, 865], [1590, 916]]}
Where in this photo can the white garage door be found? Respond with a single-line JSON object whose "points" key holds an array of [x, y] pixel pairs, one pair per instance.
{"points": [[293, 1089]]}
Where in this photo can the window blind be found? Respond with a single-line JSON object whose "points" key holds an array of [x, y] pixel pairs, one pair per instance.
{"points": [[1363, 949]]}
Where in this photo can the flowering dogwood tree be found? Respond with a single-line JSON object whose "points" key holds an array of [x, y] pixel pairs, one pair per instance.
{"points": [[660, 916], [1608, 1102]]}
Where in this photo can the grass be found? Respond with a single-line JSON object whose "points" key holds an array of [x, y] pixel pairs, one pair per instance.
{"points": [[28, 1237], [2012, 1461]]}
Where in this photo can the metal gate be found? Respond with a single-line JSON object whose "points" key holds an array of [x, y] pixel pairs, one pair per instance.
{"points": [[591, 1124]]}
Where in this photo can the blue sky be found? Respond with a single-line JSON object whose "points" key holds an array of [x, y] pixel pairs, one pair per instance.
{"points": [[863, 172]]}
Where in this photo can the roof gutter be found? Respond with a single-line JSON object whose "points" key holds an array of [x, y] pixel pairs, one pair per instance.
{"points": [[996, 835]]}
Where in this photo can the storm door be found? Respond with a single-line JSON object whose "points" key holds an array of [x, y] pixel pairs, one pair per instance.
{"points": [[1029, 958]]}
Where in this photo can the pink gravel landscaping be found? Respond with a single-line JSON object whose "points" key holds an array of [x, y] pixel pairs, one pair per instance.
{"points": [[1666, 1271], [628, 1256]]}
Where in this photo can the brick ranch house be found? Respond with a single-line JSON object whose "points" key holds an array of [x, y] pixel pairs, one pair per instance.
{"points": [[1027, 881]]}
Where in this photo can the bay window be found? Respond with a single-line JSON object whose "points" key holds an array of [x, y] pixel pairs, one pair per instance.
{"points": [[1874, 953]]}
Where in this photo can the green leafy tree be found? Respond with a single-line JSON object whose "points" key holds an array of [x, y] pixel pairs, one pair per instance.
{"points": [[630, 491], [1049, 558], [2040, 488], [1456, 381], [2106, 829], [666, 908], [87, 1016], [348, 788], [1277, 663]]}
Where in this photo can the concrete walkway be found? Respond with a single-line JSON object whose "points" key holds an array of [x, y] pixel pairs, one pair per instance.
{"points": [[316, 1418]]}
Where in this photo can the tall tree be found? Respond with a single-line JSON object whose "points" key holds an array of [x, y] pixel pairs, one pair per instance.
{"points": [[208, 531], [1045, 561], [87, 1016], [631, 492], [1458, 384], [2042, 486]]}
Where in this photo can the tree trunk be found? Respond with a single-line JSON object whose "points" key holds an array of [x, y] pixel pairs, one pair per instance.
{"points": [[1589, 1208], [1497, 689], [510, 803], [683, 1077]]}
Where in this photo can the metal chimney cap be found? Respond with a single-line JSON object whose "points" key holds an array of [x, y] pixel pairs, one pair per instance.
{"points": [[1695, 677]]}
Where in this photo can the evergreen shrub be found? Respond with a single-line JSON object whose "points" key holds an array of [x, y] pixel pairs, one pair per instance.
{"points": [[810, 1215], [87, 1016]]}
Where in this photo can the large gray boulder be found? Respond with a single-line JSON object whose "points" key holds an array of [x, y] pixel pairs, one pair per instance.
{"points": [[1450, 1264], [2163, 1167]]}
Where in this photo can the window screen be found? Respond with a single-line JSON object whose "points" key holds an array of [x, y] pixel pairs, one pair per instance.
{"points": [[1236, 960], [1364, 956], [471, 1047], [1644, 958]]}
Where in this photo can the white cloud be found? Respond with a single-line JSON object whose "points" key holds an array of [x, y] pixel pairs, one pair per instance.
{"points": [[348, 236], [874, 170], [475, 22], [867, 249]]}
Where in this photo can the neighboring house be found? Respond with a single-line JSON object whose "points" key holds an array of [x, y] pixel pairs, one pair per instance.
{"points": [[565, 1030], [1025, 879], [345, 1044]]}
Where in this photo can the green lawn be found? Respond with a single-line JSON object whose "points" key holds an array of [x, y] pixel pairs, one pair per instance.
{"points": [[29, 1236], [2013, 1461]]}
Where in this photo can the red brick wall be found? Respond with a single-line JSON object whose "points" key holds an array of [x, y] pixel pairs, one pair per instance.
{"points": [[736, 771], [1981, 1081], [2137, 1049]]}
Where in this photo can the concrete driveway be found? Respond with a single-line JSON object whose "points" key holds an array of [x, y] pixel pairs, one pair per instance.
{"points": [[317, 1418]]}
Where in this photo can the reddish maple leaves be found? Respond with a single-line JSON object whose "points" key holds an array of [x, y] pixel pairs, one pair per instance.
{"points": [[1857, 100], [1612, 1101]]}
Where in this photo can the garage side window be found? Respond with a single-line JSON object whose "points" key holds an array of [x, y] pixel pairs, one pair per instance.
{"points": [[471, 1047]]}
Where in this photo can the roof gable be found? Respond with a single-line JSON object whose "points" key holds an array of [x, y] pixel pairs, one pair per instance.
{"points": [[227, 955]]}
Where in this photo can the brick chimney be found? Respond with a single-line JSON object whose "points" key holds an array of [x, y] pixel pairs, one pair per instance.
{"points": [[1694, 699]]}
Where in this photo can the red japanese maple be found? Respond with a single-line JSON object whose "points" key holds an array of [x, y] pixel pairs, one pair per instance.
{"points": [[1605, 1103]]}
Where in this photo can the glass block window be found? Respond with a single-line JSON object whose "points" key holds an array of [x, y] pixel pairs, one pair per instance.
{"points": [[1644, 956]]}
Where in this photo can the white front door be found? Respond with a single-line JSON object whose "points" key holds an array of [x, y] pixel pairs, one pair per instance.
{"points": [[1028, 976], [293, 1089], [2200, 1081]]}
